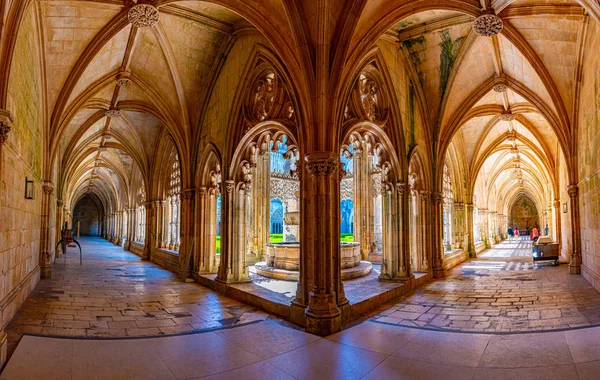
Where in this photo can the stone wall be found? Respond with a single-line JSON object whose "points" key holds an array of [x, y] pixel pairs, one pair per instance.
{"points": [[589, 158], [86, 212], [166, 258], [21, 157], [216, 120]]}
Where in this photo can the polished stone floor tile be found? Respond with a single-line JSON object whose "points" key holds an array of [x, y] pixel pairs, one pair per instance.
{"points": [[566, 372], [584, 344], [324, 359], [445, 348], [267, 339], [526, 350], [589, 370], [404, 369], [376, 337], [197, 355], [40, 358], [257, 371], [115, 359]]}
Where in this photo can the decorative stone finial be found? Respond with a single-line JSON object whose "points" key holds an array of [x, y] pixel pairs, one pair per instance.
{"points": [[143, 15], [488, 25], [113, 112], [6, 120]]}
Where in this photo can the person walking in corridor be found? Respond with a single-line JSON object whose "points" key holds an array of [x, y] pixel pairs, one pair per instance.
{"points": [[510, 233], [517, 233]]}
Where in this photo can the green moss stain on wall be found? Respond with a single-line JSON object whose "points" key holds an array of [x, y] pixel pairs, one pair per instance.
{"points": [[448, 55], [24, 98], [414, 47]]}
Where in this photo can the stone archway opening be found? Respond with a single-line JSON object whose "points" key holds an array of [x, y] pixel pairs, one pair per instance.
{"points": [[88, 216]]}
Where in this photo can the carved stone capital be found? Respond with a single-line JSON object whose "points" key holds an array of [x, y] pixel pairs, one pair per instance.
{"points": [[143, 15], [401, 188], [438, 197], [572, 190], [59, 203], [488, 25], [6, 120], [188, 194], [229, 186], [321, 163], [556, 203], [424, 194], [48, 187], [202, 192]]}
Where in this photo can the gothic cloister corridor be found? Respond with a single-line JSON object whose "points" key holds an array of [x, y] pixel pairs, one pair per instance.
{"points": [[299, 189]]}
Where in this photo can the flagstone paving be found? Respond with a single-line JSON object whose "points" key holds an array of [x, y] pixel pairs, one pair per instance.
{"points": [[500, 294], [116, 294]]}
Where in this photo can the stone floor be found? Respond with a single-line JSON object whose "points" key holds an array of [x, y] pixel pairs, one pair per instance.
{"points": [[115, 294], [269, 350], [502, 291]]}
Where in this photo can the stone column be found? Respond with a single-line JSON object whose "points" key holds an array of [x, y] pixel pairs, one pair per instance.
{"points": [[425, 230], [483, 226], [172, 223], [6, 120], [150, 234], [438, 225], [557, 230], [59, 223], [45, 242], [575, 262], [233, 266], [405, 270], [160, 218], [261, 203], [187, 246], [471, 231], [549, 222], [493, 229], [199, 231], [130, 228], [321, 242]]}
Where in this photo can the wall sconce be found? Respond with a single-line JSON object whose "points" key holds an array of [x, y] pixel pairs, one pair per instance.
{"points": [[565, 207], [28, 189]]}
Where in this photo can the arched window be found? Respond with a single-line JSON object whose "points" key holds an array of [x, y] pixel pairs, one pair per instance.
{"points": [[174, 205], [448, 200]]}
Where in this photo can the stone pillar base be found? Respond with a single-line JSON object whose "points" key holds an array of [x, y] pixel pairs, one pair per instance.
{"points": [[574, 269], [439, 273], [298, 313], [232, 280], [323, 325], [46, 271]]}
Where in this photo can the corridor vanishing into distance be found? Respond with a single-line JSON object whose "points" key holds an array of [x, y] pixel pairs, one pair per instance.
{"points": [[300, 189]]}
